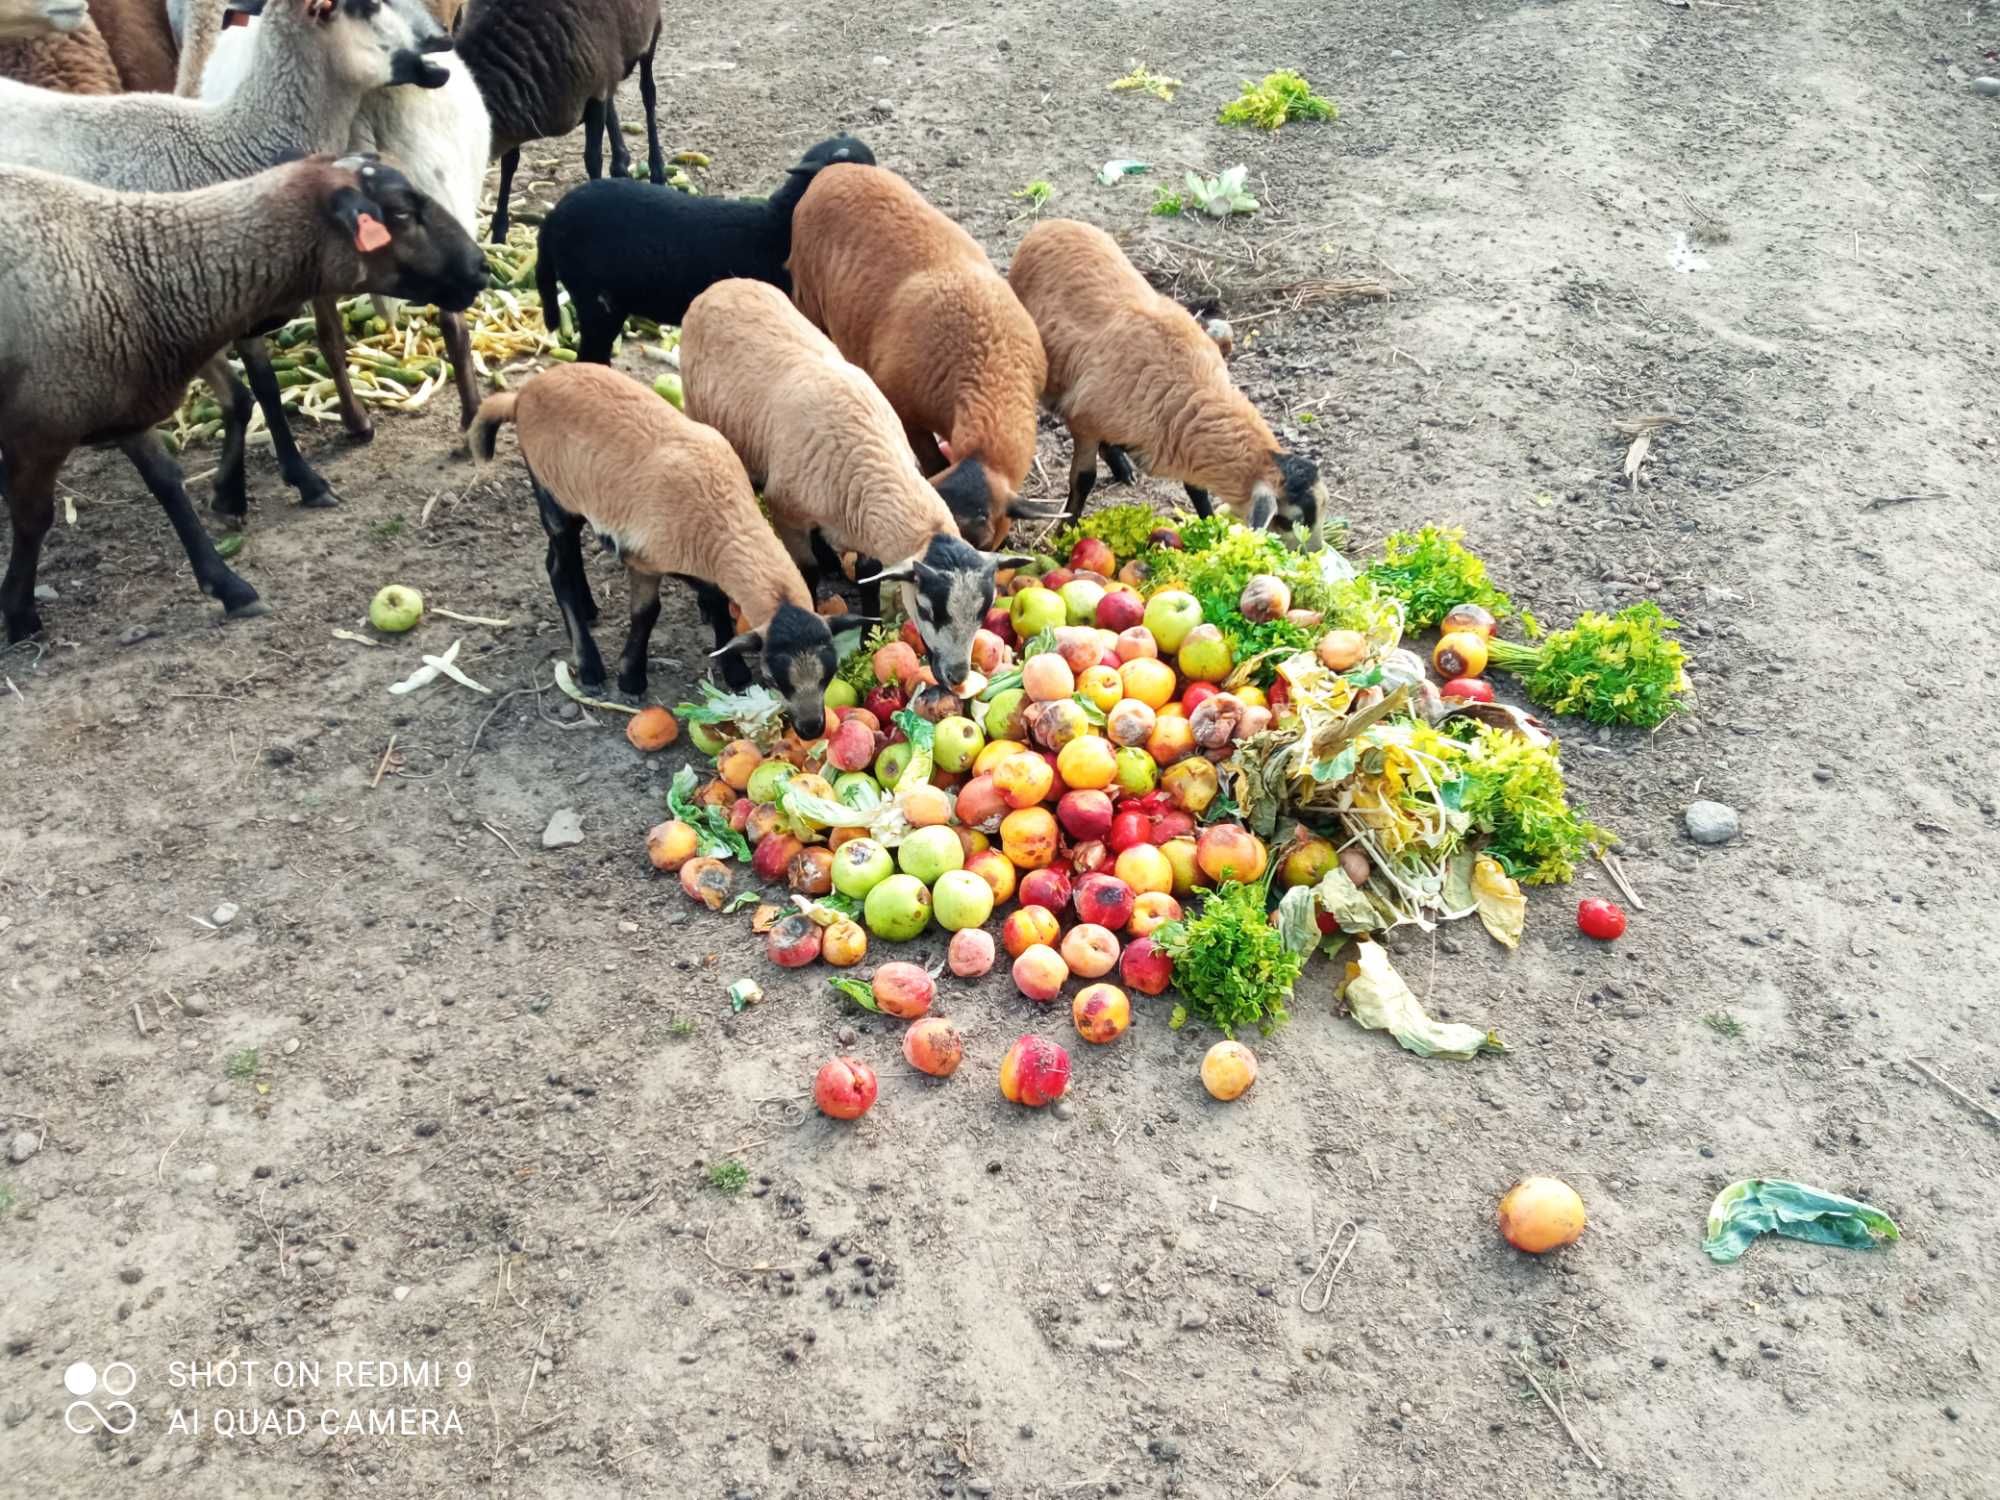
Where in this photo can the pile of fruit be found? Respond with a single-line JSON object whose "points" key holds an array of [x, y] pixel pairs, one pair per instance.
{"points": [[1173, 721]]}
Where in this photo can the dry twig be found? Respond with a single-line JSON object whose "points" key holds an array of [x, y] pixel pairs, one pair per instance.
{"points": [[1557, 1412], [1955, 1091]]}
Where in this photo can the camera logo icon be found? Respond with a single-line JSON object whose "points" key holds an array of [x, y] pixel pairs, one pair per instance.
{"points": [[82, 1381]]}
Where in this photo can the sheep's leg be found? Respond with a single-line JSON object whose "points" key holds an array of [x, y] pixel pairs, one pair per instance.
{"points": [[163, 477], [656, 161], [714, 607], [597, 330], [30, 487], [1116, 461], [565, 566], [645, 596], [458, 344], [593, 139], [621, 154], [230, 498], [497, 232], [825, 563], [1082, 469], [314, 492], [331, 330], [1203, 506]]}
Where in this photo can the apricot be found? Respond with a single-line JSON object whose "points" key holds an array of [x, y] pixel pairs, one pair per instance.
{"points": [[1228, 1069], [1028, 837], [993, 867], [718, 793], [1101, 1013], [1149, 680], [671, 844], [903, 990], [1171, 740], [706, 881], [971, 953], [1058, 724], [794, 942], [844, 943], [1088, 763], [1134, 642], [1153, 908], [926, 806], [1145, 869], [739, 758], [652, 729], [1024, 780], [1102, 686], [1040, 973], [1229, 851], [992, 753], [1128, 722], [1035, 1072], [1090, 950], [1028, 927], [934, 1046], [1191, 784], [1047, 678], [811, 871]]}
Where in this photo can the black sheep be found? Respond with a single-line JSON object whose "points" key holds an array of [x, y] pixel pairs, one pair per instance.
{"points": [[624, 250]]}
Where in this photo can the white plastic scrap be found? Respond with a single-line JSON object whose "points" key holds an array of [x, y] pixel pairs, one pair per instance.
{"points": [[433, 668]]}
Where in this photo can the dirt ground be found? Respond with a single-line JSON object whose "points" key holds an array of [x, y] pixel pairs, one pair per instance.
{"points": [[436, 1093]]}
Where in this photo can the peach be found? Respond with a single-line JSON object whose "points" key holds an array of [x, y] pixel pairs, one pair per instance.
{"points": [[1047, 678], [761, 821], [652, 729], [706, 881], [844, 943], [925, 806], [1077, 646], [1149, 680], [1027, 927], [971, 952], [851, 746], [1103, 901], [1085, 815], [1060, 723], [1152, 908], [903, 990], [1191, 784], [845, 1088], [1088, 763], [671, 844], [1180, 854], [1145, 870], [992, 753], [989, 652], [772, 857], [1229, 851], [1048, 888], [1145, 966], [1101, 1013], [934, 1046], [739, 758], [794, 942], [1034, 1072], [1024, 780], [1128, 722], [717, 793], [1040, 973], [1102, 686], [993, 867], [811, 871], [1228, 1069], [1090, 950], [980, 804], [1028, 837], [898, 663], [1093, 554], [1172, 740], [1136, 642]]}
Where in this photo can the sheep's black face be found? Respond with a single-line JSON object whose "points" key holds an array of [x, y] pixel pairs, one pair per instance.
{"points": [[800, 661], [947, 594], [1302, 504], [968, 495], [410, 247], [847, 148]]}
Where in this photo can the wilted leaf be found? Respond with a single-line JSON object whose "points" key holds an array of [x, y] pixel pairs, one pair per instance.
{"points": [[1771, 1205], [857, 991], [1503, 910], [764, 918], [1347, 902], [1378, 998]]}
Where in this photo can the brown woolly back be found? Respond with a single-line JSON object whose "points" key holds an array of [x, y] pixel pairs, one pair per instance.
{"points": [[76, 62], [141, 40]]}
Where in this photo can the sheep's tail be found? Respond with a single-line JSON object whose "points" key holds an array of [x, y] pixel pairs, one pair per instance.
{"points": [[547, 284], [495, 412]]}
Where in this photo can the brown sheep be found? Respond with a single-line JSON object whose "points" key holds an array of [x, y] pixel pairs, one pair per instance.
{"points": [[1133, 370], [70, 62], [911, 298], [141, 40], [669, 497]]}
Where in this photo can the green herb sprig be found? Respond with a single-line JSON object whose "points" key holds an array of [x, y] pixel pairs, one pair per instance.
{"points": [[1231, 963], [1616, 669]]}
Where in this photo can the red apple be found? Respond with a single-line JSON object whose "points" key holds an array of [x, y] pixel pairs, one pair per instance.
{"points": [[1085, 815], [1128, 828], [1105, 900], [1049, 887], [1001, 623], [1034, 1072], [1197, 694], [1120, 610], [1145, 967], [845, 1089], [772, 857], [1093, 555], [1172, 824]]}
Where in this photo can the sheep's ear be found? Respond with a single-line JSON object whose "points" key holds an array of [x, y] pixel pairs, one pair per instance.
{"points": [[1031, 510], [838, 623], [902, 572], [1007, 559], [361, 216], [746, 644], [1263, 508]]}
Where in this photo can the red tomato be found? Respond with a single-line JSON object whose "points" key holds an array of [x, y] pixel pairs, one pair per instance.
{"points": [[1600, 919], [1475, 689]]}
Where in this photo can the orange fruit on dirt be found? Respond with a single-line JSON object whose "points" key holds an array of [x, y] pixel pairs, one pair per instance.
{"points": [[652, 729]]}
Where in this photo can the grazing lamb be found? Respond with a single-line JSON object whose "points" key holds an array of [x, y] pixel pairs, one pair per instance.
{"points": [[546, 66], [829, 454], [669, 498], [1132, 369], [912, 299], [187, 272], [624, 250], [312, 62], [70, 62], [437, 137]]}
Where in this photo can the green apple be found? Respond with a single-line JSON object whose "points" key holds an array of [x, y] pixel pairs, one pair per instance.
{"points": [[1205, 655], [840, 693], [1080, 597], [928, 852], [1034, 610], [769, 779], [1003, 715], [898, 909], [892, 762], [961, 899], [707, 738], [397, 608], [859, 865], [1170, 615], [1138, 772], [956, 741]]}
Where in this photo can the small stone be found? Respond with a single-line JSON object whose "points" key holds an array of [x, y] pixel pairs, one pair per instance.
{"points": [[1166, 1450], [1712, 822], [195, 1005], [1102, 1289], [131, 1275], [1822, 773], [1659, 1361], [1397, 54], [565, 828], [291, 1046], [1064, 1110], [1406, 1409], [313, 1257], [628, 928], [984, 1486], [1951, 1413], [200, 1174], [1988, 86], [1708, 1151], [219, 1094], [45, 593], [224, 914], [401, 1293], [24, 1145], [1193, 1318], [846, 1036], [886, 108], [132, 635]]}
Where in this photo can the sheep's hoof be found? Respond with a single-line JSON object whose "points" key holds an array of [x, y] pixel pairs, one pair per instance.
{"points": [[632, 684], [248, 610], [20, 627], [321, 498], [362, 431]]}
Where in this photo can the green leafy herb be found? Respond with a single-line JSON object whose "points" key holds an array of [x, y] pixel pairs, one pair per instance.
{"points": [[742, 899], [1513, 791], [1219, 197], [728, 1176], [1125, 529], [1282, 96], [1617, 669], [835, 901], [1036, 644], [1230, 962], [857, 991], [857, 668], [718, 839], [1144, 80], [1432, 573], [1167, 204]]}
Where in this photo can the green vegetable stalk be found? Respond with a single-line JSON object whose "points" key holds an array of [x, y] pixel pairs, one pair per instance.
{"points": [[1617, 669], [1233, 966]]}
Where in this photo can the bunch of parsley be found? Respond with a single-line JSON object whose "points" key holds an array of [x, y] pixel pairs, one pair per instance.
{"points": [[1513, 792], [1616, 669], [1230, 962], [1432, 573]]}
